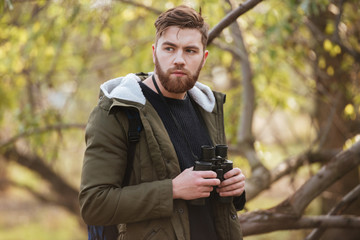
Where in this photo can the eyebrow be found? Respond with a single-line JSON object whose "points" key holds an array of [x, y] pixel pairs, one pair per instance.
{"points": [[174, 45], [169, 43]]}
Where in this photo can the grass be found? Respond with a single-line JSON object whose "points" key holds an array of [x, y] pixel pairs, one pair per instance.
{"points": [[24, 218]]}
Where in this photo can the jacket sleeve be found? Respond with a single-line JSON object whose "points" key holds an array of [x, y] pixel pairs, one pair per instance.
{"points": [[102, 199], [239, 202]]}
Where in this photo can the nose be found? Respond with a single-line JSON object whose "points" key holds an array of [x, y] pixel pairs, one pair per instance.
{"points": [[179, 58]]}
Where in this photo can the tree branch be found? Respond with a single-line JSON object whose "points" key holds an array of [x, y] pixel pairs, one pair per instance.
{"points": [[225, 22], [31, 132], [230, 18], [351, 197], [264, 222], [136, 4], [259, 174], [66, 194], [340, 165], [286, 167], [235, 52], [287, 215], [37, 195], [292, 164]]}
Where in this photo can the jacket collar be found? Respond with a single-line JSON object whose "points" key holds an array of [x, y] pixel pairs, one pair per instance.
{"points": [[127, 88]]}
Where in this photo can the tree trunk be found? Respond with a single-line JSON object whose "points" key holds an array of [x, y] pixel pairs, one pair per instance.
{"points": [[331, 99]]}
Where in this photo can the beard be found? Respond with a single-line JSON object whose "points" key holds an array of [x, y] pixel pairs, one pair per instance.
{"points": [[177, 84]]}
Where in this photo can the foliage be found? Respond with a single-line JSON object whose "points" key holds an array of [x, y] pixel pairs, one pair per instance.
{"points": [[55, 54]]}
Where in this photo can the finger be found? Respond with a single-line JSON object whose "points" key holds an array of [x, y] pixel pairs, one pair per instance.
{"points": [[205, 192], [207, 189], [211, 182], [231, 187], [206, 174], [232, 172], [233, 180], [233, 193]]}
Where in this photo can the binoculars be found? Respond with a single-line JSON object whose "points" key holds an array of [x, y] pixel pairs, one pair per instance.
{"points": [[214, 159]]}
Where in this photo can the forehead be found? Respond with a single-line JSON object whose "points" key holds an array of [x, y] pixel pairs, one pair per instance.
{"points": [[181, 37]]}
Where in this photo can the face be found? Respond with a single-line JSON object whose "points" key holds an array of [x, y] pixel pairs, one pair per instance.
{"points": [[179, 56]]}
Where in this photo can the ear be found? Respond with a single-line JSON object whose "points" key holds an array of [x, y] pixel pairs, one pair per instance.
{"points": [[153, 52], [206, 54]]}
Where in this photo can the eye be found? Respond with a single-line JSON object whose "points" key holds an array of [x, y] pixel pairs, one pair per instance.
{"points": [[192, 51], [169, 49]]}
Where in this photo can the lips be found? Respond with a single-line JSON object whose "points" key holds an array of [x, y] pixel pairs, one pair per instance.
{"points": [[179, 73]]}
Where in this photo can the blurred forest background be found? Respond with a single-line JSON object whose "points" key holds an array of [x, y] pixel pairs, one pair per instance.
{"points": [[291, 72]]}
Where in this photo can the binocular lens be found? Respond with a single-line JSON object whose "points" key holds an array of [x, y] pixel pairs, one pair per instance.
{"points": [[221, 150], [207, 152]]}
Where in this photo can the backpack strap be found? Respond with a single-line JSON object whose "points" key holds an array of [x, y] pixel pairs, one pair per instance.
{"points": [[135, 127], [111, 232]]}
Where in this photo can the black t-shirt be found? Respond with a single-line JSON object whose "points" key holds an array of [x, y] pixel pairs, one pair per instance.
{"points": [[200, 217]]}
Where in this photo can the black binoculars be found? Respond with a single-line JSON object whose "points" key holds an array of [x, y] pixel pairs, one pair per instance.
{"points": [[214, 158]]}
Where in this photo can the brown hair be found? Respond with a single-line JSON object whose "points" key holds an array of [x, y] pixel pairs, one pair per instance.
{"points": [[182, 17]]}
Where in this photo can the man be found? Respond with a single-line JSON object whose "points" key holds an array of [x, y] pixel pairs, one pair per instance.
{"points": [[178, 116]]}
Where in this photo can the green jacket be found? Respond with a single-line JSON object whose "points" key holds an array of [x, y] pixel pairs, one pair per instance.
{"points": [[146, 205]]}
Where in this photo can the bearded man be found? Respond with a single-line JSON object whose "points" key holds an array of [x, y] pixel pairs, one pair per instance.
{"points": [[151, 196]]}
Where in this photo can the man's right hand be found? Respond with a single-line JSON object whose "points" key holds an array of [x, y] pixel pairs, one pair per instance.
{"points": [[190, 184]]}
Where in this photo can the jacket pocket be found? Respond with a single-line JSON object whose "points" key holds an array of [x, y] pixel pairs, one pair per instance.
{"points": [[156, 233], [235, 228], [157, 229]]}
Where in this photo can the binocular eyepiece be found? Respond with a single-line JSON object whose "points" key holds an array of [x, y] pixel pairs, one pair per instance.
{"points": [[214, 159]]}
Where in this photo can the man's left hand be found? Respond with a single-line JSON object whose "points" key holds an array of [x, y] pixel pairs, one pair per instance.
{"points": [[233, 185]]}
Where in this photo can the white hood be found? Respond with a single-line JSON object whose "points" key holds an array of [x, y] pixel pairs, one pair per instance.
{"points": [[127, 88]]}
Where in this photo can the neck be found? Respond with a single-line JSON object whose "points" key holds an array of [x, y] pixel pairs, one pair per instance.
{"points": [[148, 82]]}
